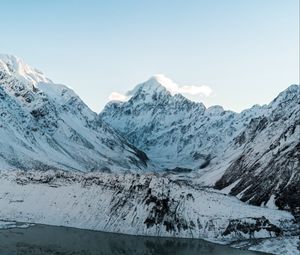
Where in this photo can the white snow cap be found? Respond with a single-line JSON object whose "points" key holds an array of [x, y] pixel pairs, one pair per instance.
{"points": [[161, 83], [13, 64], [174, 88]]}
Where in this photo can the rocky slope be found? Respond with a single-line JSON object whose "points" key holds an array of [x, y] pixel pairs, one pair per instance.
{"points": [[144, 204], [46, 126], [267, 171], [253, 154]]}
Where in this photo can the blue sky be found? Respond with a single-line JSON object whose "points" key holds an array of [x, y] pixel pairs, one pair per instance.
{"points": [[246, 51]]}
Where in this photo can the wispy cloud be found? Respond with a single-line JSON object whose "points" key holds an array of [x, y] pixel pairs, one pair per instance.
{"points": [[195, 90], [174, 88], [115, 96]]}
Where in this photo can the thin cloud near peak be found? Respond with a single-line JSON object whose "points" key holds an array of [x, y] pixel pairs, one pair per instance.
{"points": [[115, 96], [195, 90], [172, 87]]}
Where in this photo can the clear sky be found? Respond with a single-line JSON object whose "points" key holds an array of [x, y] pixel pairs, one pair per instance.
{"points": [[246, 51]]}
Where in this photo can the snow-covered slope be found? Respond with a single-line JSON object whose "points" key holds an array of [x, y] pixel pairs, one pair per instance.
{"points": [[158, 122], [267, 169], [257, 149], [45, 125], [174, 131], [143, 204]]}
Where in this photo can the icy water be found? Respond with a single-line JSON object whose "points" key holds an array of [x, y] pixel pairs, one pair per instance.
{"points": [[48, 240]]}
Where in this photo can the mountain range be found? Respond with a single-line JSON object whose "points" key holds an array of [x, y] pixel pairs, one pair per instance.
{"points": [[255, 154], [153, 156]]}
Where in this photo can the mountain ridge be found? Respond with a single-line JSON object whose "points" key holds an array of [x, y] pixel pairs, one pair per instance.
{"points": [[210, 144], [47, 125]]}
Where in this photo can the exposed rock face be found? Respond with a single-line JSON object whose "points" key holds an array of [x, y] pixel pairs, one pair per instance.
{"points": [[248, 227], [268, 168], [46, 126]]}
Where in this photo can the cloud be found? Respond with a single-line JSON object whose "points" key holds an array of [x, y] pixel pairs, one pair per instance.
{"points": [[115, 96], [195, 90], [174, 88]]}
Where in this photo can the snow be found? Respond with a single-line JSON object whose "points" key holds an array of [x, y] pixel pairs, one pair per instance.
{"points": [[213, 144], [170, 128], [229, 187], [121, 203], [159, 83], [45, 126], [13, 64], [13, 224], [282, 245], [104, 202], [271, 202]]}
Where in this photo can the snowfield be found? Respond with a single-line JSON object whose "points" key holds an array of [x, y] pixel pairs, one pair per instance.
{"points": [[135, 204]]}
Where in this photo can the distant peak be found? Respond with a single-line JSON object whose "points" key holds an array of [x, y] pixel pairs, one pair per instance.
{"points": [[165, 82], [293, 88], [164, 86], [156, 84], [11, 63], [9, 58], [14, 65], [293, 91]]}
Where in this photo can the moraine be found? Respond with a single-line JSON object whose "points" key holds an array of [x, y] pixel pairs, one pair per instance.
{"points": [[136, 204]]}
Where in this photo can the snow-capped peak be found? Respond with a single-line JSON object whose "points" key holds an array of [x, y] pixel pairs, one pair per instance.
{"points": [[157, 87], [15, 65], [157, 83], [160, 82], [46, 125], [166, 82]]}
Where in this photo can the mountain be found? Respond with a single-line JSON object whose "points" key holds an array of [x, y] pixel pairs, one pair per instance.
{"points": [[44, 125], [174, 131], [157, 164], [253, 155], [267, 170]]}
